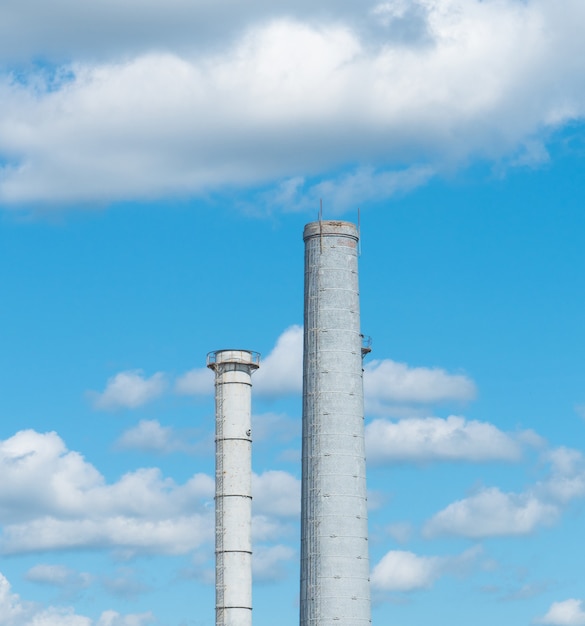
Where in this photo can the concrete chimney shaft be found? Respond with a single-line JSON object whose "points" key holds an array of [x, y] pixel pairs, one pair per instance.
{"points": [[335, 588], [233, 485]]}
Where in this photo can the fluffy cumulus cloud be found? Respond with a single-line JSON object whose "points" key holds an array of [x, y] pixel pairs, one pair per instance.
{"points": [[51, 498], [402, 571], [16, 612], [436, 439], [281, 372], [129, 390], [566, 613], [201, 96], [405, 571], [492, 512], [388, 383]]}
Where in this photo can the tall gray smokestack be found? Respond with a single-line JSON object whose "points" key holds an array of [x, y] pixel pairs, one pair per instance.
{"points": [[233, 485], [335, 587]]}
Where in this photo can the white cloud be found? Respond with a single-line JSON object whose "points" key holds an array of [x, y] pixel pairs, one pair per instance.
{"points": [[565, 461], [58, 576], [415, 92], [16, 612], [38, 468], [388, 382], [268, 562], [281, 371], [405, 571], [276, 493], [113, 618], [51, 498], [197, 382], [175, 535], [150, 436], [493, 513], [567, 478], [402, 571], [436, 439], [361, 186], [11, 609], [55, 617], [267, 528], [566, 613], [129, 390]]}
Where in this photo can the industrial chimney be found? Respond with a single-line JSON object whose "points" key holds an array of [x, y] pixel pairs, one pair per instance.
{"points": [[335, 587], [233, 484]]}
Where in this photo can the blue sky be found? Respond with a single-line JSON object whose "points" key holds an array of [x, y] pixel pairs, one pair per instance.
{"points": [[158, 162]]}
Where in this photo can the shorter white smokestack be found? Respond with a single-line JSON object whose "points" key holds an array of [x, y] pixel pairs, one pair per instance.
{"points": [[233, 484]]}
